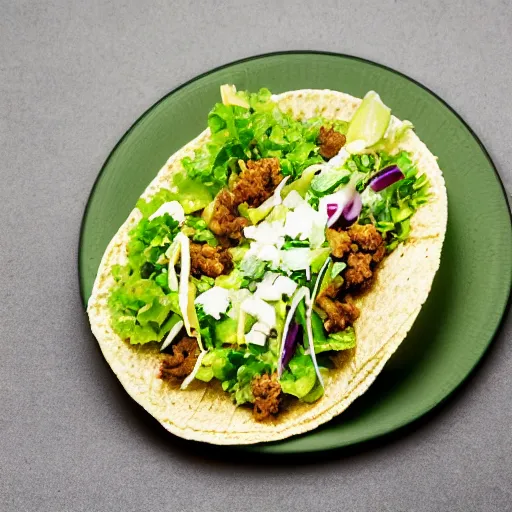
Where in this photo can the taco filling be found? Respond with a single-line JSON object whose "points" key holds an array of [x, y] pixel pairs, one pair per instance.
{"points": [[248, 268]]}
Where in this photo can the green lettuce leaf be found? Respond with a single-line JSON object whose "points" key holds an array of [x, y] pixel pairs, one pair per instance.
{"points": [[261, 131], [203, 284], [233, 281], [300, 378], [238, 253], [139, 310], [155, 312], [217, 363], [140, 301], [251, 368], [147, 208], [395, 133], [252, 267], [328, 180], [197, 229], [342, 340], [191, 194], [302, 184], [226, 331], [314, 394], [206, 327], [324, 342], [254, 215], [390, 209], [318, 257], [235, 369], [149, 240]]}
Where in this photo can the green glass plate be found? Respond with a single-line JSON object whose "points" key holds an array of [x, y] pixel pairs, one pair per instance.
{"points": [[471, 289]]}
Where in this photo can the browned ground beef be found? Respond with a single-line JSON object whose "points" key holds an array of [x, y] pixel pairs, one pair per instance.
{"points": [[184, 356], [358, 269], [267, 396], [209, 261], [226, 221], [340, 313], [362, 248], [365, 236], [257, 182], [339, 242], [330, 142]]}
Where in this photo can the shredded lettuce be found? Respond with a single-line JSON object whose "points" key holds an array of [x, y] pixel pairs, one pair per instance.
{"points": [[191, 194], [197, 229], [328, 180], [226, 331], [216, 363], [302, 184], [140, 302], [150, 239], [391, 209], [206, 327], [342, 340], [396, 131], [203, 284], [291, 243], [318, 257], [139, 309], [254, 215], [324, 342], [300, 378], [252, 267], [316, 393], [238, 253], [233, 281], [364, 163], [260, 131], [217, 333], [235, 369]]}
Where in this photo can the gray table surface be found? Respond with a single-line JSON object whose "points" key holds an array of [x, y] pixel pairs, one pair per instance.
{"points": [[73, 77]]}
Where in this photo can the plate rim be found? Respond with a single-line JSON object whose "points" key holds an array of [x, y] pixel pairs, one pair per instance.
{"points": [[267, 448]]}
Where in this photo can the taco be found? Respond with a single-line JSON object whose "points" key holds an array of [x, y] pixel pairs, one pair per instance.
{"points": [[273, 265]]}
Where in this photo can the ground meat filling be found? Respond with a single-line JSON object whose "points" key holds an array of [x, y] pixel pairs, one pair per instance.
{"points": [[184, 356], [267, 396], [362, 248], [209, 261], [358, 270], [257, 182], [226, 221], [339, 242], [340, 313], [330, 142], [368, 249], [366, 237]]}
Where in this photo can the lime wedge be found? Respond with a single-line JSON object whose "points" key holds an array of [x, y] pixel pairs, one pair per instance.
{"points": [[370, 120]]}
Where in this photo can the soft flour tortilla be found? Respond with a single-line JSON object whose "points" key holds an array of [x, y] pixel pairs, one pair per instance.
{"points": [[204, 412]]}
